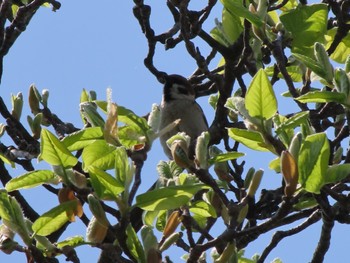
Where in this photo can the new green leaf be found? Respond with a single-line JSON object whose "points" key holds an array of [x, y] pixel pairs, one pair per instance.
{"points": [[251, 139], [54, 152], [322, 97], [54, 219], [82, 138], [168, 198], [313, 162], [236, 7], [308, 24], [134, 245], [223, 157], [30, 180], [338, 172], [99, 154], [260, 100], [104, 184]]}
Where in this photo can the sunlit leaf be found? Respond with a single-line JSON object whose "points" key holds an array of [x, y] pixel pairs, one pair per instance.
{"points": [[78, 140], [322, 97], [343, 49], [134, 245], [104, 184], [54, 219], [30, 180], [251, 139], [168, 198], [99, 154], [71, 241], [232, 25], [260, 100], [236, 7], [223, 157], [313, 162], [312, 64], [294, 121], [308, 24], [295, 72], [203, 209], [122, 167], [54, 151]]}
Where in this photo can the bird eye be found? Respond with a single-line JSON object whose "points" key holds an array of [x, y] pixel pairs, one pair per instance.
{"points": [[181, 89]]}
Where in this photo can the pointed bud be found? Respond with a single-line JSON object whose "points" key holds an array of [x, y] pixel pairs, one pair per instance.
{"points": [[295, 145], [7, 245], [338, 155], [229, 252], [249, 177], [255, 183], [45, 97], [89, 111], [96, 232], [34, 99], [35, 125], [169, 241], [290, 173], [154, 118], [97, 210], [172, 223], [179, 152], [202, 150], [223, 172], [77, 179]]}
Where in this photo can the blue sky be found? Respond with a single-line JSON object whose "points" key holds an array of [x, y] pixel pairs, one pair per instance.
{"points": [[95, 46]]}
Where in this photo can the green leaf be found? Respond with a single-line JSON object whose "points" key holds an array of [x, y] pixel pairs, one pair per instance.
{"points": [[232, 25], [104, 184], [99, 154], [134, 245], [148, 217], [29, 180], [54, 219], [342, 50], [71, 241], [295, 72], [223, 157], [12, 216], [236, 8], [313, 162], [137, 125], [168, 198], [294, 121], [337, 172], [322, 97], [54, 152], [275, 165], [82, 138], [251, 139], [260, 100], [123, 171], [203, 209], [130, 118], [308, 24], [6, 160], [312, 64], [130, 136], [5, 206]]}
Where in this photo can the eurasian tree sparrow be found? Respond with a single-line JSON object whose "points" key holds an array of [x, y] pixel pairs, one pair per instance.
{"points": [[179, 103]]}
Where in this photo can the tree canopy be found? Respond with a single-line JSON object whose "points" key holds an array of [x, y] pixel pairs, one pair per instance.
{"points": [[211, 208]]}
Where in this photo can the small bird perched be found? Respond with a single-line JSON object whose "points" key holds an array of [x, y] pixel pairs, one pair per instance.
{"points": [[179, 103]]}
